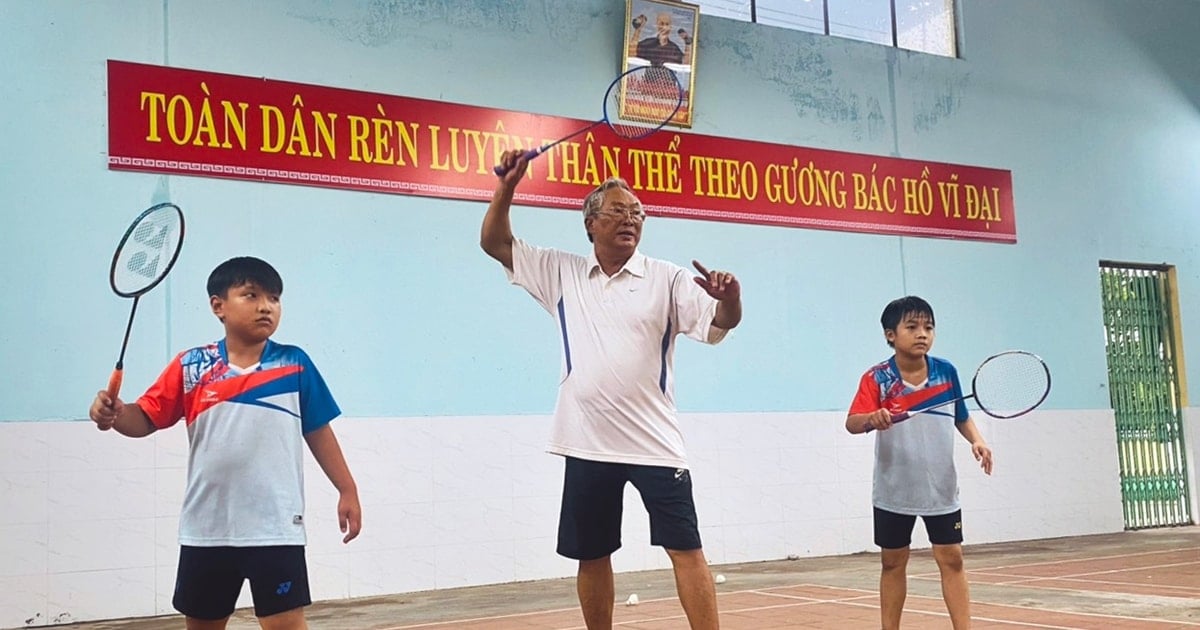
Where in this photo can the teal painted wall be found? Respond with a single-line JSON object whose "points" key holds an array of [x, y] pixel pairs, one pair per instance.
{"points": [[1093, 106]]}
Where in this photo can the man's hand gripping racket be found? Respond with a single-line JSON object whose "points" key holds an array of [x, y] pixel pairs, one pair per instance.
{"points": [[144, 257], [1006, 385], [655, 92]]}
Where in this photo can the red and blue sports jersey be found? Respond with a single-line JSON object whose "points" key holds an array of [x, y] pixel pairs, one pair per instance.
{"points": [[246, 431], [882, 387], [914, 459]]}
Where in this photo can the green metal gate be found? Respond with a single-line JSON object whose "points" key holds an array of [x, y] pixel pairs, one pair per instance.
{"points": [[1145, 381]]}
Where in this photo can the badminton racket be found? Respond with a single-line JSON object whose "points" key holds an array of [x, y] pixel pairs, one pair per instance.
{"points": [[1006, 385], [143, 258], [646, 98]]}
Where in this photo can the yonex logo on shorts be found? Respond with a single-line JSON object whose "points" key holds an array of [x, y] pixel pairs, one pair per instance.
{"points": [[284, 587]]}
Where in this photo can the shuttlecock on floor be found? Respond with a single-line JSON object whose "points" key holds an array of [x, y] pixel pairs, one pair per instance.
{"points": [[632, 601], [720, 579]]}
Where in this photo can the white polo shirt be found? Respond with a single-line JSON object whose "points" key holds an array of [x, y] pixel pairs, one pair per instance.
{"points": [[616, 397]]}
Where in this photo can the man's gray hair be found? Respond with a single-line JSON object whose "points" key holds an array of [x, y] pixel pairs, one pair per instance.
{"points": [[592, 203]]}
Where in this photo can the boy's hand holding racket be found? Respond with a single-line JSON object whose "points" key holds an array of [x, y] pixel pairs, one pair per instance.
{"points": [[879, 420], [105, 409]]}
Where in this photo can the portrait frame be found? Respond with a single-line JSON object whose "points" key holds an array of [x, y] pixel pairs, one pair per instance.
{"points": [[648, 43]]}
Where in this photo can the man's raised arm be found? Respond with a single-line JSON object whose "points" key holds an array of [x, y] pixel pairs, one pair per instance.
{"points": [[495, 236]]}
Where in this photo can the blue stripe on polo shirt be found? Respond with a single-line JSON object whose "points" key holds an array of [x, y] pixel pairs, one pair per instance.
{"points": [[562, 322], [666, 343]]}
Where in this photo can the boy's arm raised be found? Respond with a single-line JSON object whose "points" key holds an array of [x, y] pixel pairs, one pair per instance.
{"points": [[325, 449], [112, 413]]}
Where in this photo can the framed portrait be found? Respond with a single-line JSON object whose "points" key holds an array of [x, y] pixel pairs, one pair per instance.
{"points": [[663, 33]]}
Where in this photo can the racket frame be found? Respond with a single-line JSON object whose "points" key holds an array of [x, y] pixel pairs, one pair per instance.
{"points": [[114, 380], [499, 169], [901, 417], [994, 414], [112, 268]]}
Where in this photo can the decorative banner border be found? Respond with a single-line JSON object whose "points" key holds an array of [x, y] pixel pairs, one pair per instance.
{"points": [[192, 122]]}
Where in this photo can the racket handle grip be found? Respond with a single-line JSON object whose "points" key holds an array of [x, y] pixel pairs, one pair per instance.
{"points": [[114, 384], [500, 171]]}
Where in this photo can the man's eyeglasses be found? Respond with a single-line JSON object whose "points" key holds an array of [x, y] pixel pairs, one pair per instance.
{"points": [[633, 213]]}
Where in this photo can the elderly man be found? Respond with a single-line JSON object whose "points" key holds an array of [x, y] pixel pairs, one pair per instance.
{"points": [[615, 422]]}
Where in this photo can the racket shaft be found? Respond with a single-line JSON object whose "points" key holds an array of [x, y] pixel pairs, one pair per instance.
{"points": [[118, 373], [905, 415], [500, 170]]}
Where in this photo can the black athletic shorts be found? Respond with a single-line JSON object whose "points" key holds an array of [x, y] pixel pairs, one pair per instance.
{"points": [[589, 526], [894, 531], [210, 579]]}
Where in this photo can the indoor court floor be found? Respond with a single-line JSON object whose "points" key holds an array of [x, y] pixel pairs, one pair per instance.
{"points": [[1144, 579]]}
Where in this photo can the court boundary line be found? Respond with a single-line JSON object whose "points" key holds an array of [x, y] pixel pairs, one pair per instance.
{"points": [[808, 601], [1031, 580], [1098, 593], [799, 601], [1086, 573], [1013, 606], [1187, 592], [1067, 612], [1089, 614], [434, 624], [1109, 557]]}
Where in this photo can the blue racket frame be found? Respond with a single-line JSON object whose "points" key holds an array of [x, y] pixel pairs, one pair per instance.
{"points": [[611, 96]]}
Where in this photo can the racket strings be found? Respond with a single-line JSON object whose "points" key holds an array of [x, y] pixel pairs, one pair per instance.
{"points": [[146, 253], [1010, 384], [647, 98]]}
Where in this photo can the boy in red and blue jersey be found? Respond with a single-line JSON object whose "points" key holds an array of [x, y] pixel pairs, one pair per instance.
{"points": [[249, 404], [914, 460]]}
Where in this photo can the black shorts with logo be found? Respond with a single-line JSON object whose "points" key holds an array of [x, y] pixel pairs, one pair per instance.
{"points": [[589, 526], [894, 531], [210, 579]]}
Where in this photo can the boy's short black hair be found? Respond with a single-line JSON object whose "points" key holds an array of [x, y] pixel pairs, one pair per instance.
{"points": [[243, 270], [899, 308]]}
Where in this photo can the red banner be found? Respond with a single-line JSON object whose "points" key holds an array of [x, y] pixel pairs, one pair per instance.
{"points": [[190, 122]]}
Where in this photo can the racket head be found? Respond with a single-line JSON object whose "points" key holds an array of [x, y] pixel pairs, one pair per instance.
{"points": [[648, 96], [1011, 384], [147, 251]]}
